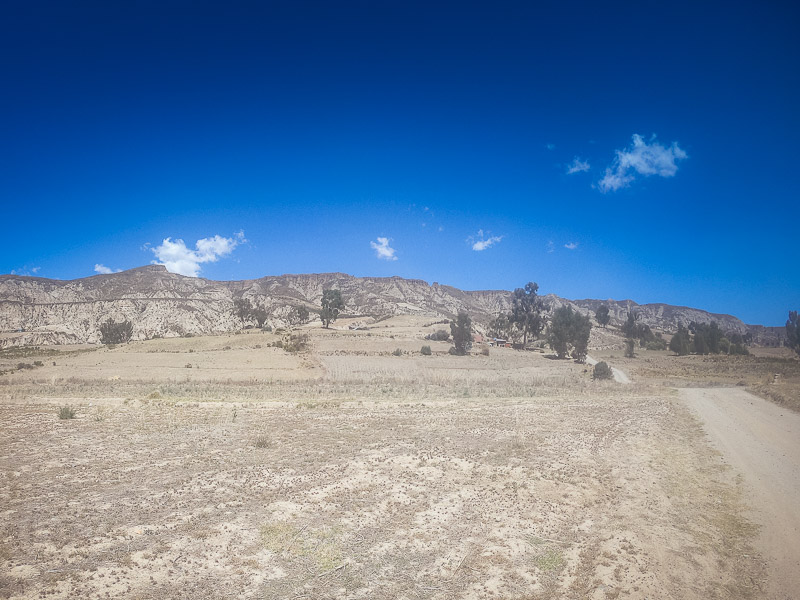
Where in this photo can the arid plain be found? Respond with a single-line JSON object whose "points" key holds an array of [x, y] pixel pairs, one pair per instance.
{"points": [[224, 466]]}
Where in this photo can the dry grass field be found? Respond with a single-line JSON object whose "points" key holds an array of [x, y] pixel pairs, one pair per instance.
{"points": [[226, 467]]}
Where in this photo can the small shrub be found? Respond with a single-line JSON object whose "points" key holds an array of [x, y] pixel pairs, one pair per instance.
{"points": [[440, 335], [191, 350], [426, 351], [38, 363], [296, 342], [267, 328], [397, 352], [452, 351], [21, 366], [485, 350], [66, 412], [188, 365], [657, 344], [602, 371], [262, 441], [227, 348]]}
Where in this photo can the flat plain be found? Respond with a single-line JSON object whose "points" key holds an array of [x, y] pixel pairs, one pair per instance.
{"points": [[225, 466]]}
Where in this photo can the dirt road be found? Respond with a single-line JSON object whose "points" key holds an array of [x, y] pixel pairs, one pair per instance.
{"points": [[761, 441]]}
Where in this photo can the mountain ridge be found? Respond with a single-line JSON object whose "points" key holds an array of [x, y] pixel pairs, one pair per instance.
{"points": [[37, 310]]}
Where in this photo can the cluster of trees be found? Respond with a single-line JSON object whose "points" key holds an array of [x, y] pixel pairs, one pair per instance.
{"points": [[298, 315], [634, 331], [707, 338], [115, 333], [569, 333], [526, 318], [332, 305], [245, 310]]}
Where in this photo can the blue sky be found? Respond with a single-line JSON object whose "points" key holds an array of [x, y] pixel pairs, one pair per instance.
{"points": [[605, 150]]}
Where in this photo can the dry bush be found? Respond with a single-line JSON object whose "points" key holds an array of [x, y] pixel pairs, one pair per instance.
{"points": [[67, 412]]}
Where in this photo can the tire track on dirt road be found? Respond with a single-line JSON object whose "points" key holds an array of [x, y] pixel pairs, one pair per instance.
{"points": [[761, 441]]}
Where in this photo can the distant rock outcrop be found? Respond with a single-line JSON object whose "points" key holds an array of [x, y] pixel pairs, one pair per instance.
{"points": [[34, 310]]}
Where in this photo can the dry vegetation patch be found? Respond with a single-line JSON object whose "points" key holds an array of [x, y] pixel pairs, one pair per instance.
{"points": [[356, 474]]}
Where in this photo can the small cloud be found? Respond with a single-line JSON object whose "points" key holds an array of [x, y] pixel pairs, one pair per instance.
{"points": [[25, 272], [382, 249], [550, 146], [577, 166], [104, 270], [571, 245], [641, 158], [441, 228], [178, 258], [551, 247], [481, 243]]}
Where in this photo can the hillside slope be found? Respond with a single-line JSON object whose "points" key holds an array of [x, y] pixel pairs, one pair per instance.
{"points": [[34, 310]]}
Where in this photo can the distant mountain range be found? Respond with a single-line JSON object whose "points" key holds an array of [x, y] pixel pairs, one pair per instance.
{"points": [[34, 310]]}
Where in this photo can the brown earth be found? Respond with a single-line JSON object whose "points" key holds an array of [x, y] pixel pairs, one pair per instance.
{"points": [[346, 471]]}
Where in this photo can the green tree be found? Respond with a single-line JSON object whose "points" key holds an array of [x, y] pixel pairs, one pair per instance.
{"points": [[527, 311], [501, 326], [115, 333], [298, 315], [630, 328], [602, 315], [242, 308], [680, 343], [569, 331], [332, 304], [245, 310], [582, 328], [461, 330], [793, 331]]}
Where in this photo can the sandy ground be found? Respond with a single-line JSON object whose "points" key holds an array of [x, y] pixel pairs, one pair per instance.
{"points": [[226, 467], [762, 442]]}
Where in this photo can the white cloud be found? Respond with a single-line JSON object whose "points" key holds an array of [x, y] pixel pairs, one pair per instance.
{"points": [[551, 247], [482, 242], [644, 159], [178, 258], [104, 270], [25, 272], [571, 245], [577, 166], [382, 249], [550, 146]]}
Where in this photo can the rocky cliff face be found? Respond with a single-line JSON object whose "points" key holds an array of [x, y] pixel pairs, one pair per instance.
{"points": [[34, 310]]}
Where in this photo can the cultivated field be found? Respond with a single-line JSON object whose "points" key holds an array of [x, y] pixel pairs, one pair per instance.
{"points": [[226, 467]]}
